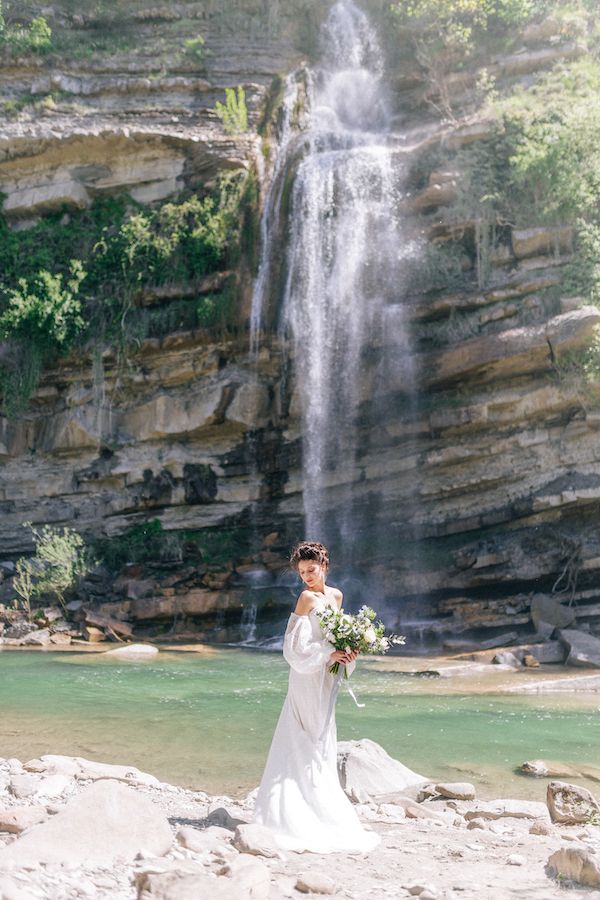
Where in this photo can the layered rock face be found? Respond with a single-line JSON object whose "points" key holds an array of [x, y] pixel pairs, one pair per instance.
{"points": [[477, 494]]}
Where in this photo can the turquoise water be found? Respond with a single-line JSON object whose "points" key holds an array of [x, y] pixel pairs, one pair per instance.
{"points": [[206, 721]]}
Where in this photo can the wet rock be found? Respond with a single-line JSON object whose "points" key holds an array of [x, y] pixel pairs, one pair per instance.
{"points": [[570, 804], [539, 768], [583, 649], [105, 822], [576, 864], [365, 766], [256, 840], [200, 483]]}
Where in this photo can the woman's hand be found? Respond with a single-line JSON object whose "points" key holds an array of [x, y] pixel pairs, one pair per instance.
{"points": [[343, 656]]}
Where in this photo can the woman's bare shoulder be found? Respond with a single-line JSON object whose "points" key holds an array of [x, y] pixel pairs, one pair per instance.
{"points": [[338, 597], [305, 603]]}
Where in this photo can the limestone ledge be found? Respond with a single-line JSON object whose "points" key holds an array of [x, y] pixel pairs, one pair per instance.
{"points": [[69, 166]]}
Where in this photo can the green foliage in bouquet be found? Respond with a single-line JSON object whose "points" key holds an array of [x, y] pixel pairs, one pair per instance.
{"points": [[359, 632]]}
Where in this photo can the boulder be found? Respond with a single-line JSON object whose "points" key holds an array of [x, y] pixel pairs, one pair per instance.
{"points": [[105, 823], [78, 767], [365, 767], [570, 804], [576, 864], [38, 638], [256, 840], [583, 649], [548, 611]]}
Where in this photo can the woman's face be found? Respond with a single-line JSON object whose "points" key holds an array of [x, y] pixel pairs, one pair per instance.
{"points": [[311, 572]]}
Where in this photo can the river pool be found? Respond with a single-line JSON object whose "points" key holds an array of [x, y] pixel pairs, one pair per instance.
{"points": [[204, 720]]}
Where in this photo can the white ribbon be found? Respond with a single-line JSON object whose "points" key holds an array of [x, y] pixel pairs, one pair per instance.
{"points": [[332, 699]]}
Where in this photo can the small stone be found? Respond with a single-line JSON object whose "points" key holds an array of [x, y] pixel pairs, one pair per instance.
{"points": [[223, 819], [515, 859], [459, 790], [315, 883], [255, 839]]}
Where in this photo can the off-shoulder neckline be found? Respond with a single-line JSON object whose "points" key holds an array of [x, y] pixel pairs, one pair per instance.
{"points": [[308, 615]]}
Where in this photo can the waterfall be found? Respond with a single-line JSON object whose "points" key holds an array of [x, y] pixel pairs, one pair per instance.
{"points": [[248, 624], [339, 309]]}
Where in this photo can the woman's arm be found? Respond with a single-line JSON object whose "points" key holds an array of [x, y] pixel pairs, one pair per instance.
{"points": [[305, 604]]}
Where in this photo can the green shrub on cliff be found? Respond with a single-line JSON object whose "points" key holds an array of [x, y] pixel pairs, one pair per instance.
{"points": [[41, 319], [61, 558], [33, 37], [233, 113], [122, 249], [554, 130]]}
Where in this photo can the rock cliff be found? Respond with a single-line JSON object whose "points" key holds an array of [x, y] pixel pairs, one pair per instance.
{"points": [[479, 495]]}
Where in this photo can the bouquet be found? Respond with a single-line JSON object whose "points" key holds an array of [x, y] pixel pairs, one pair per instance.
{"points": [[360, 632]]}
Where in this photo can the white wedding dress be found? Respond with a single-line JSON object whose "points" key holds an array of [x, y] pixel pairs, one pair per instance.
{"points": [[300, 798]]}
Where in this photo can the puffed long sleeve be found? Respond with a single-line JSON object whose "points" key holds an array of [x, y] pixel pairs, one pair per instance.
{"points": [[301, 650]]}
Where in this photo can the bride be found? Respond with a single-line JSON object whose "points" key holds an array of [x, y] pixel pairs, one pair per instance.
{"points": [[300, 798]]}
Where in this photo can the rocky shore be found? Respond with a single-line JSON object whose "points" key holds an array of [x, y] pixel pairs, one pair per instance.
{"points": [[74, 828]]}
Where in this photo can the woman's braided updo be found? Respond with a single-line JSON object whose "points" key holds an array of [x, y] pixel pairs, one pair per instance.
{"points": [[307, 550]]}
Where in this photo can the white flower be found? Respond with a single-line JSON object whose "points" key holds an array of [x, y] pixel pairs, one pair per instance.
{"points": [[370, 635]]}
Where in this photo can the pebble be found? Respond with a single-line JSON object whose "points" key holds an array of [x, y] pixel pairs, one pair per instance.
{"points": [[516, 859]]}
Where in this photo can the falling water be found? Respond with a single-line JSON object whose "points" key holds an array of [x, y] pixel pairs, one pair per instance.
{"points": [[344, 256], [345, 250]]}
